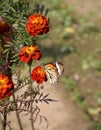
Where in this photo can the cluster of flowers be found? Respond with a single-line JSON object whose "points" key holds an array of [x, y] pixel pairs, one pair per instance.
{"points": [[36, 24]]}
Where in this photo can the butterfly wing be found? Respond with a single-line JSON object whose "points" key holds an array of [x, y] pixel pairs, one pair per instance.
{"points": [[51, 73], [59, 67]]}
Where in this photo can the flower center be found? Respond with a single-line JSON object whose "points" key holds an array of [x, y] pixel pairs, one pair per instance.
{"points": [[41, 71], [38, 20], [2, 82], [30, 50]]}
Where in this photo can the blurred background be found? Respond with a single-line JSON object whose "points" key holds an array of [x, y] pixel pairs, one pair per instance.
{"points": [[74, 40]]}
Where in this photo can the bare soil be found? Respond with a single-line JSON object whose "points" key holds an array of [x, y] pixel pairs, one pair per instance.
{"points": [[61, 115]]}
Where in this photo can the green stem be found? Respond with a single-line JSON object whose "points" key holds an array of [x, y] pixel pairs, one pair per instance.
{"points": [[29, 66]]}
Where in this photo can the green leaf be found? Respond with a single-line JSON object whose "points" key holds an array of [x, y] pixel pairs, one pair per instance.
{"points": [[13, 10]]}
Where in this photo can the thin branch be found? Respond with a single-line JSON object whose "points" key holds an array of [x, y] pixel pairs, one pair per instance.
{"points": [[17, 114], [31, 114], [5, 118], [9, 126], [31, 103]]}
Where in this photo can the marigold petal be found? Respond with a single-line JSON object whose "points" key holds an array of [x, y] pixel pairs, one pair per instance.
{"points": [[29, 53], [36, 23], [38, 75], [6, 86]]}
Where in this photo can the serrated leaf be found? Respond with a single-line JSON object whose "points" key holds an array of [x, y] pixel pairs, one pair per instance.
{"points": [[46, 101], [40, 95], [36, 101], [15, 56], [46, 12], [42, 8], [46, 95], [9, 45], [51, 100], [13, 10], [5, 51]]}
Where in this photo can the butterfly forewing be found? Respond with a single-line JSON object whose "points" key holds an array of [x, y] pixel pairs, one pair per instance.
{"points": [[60, 67], [53, 71]]}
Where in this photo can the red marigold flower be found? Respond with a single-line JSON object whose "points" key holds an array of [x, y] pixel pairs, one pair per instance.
{"points": [[38, 74], [4, 27], [6, 86], [37, 25], [29, 53]]}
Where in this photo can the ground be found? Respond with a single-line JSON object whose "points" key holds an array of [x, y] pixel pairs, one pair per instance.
{"points": [[61, 115]]}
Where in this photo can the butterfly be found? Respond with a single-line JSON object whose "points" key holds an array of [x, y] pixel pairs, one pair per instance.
{"points": [[53, 71]]}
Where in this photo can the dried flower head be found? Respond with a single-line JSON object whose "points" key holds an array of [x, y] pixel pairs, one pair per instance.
{"points": [[38, 74], [6, 86], [29, 53], [4, 27], [37, 25]]}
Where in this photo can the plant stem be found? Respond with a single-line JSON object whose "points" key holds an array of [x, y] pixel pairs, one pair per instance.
{"points": [[5, 118], [31, 97], [17, 114], [31, 114]]}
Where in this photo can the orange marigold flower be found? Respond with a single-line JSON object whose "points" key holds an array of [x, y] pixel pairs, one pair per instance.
{"points": [[29, 53], [38, 74], [4, 27], [6, 86], [37, 25]]}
